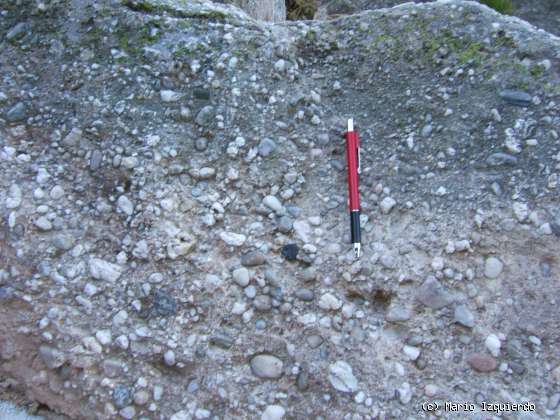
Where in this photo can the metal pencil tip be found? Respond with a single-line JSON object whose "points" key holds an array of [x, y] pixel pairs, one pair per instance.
{"points": [[357, 249]]}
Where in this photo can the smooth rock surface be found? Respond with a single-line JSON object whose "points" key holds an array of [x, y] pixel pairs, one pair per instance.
{"points": [[493, 267], [341, 377], [267, 366]]}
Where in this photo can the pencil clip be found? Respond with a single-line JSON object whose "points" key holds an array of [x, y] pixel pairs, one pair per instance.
{"points": [[359, 161]]}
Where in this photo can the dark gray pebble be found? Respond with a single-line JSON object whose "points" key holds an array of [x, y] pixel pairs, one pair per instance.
{"points": [[252, 258], [290, 252], [221, 340], [516, 97], [201, 93]]}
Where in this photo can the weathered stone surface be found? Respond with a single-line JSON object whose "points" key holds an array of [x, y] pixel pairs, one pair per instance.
{"points": [[104, 270], [163, 304], [135, 241], [252, 259], [482, 363], [273, 412], [16, 113], [267, 366], [433, 294], [464, 316], [493, 267], [398, 314], [516, 97], [342, 378], [52, 357]]}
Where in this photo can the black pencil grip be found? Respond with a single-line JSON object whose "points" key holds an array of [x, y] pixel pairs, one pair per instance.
{"points": [[355, 226]]}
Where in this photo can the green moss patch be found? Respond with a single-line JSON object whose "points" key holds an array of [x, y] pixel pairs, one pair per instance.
{"points": [[502, 6]]}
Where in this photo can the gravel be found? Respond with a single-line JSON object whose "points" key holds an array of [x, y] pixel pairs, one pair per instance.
{"points": [[43, 223], [174, 204], [433, 294], [233, 239], [290, 251], [501, 159], [329, 302], [252, 259], [17, 31], [163, 304], [273, 412], [125, 205], [170, 96], [201, 144], [493, 267], [10, 411], [241, 276], [205, 116], [387, 205], [482, 363], [306, 295], [121, 396], [342, 378], [493, 345], [103, 270], [516, 97], [267, 366], [262, 303], [13, 201], [285, 224], [411, 352], [464, 316], [17, 113], [52, 357], [266, 147], [398, 314], [521, 211], [274, 204], [314, 341], [222, 340]]}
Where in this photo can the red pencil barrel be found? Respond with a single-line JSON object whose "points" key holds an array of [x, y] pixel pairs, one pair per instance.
{"points": [[352, 144]]}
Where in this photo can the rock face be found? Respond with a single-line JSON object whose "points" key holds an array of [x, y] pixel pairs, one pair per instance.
{"points": [[543, 13], [174, 236]]}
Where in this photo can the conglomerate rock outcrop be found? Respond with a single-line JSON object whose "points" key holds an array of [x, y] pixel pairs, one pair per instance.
{"points": [[174, 229]]}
